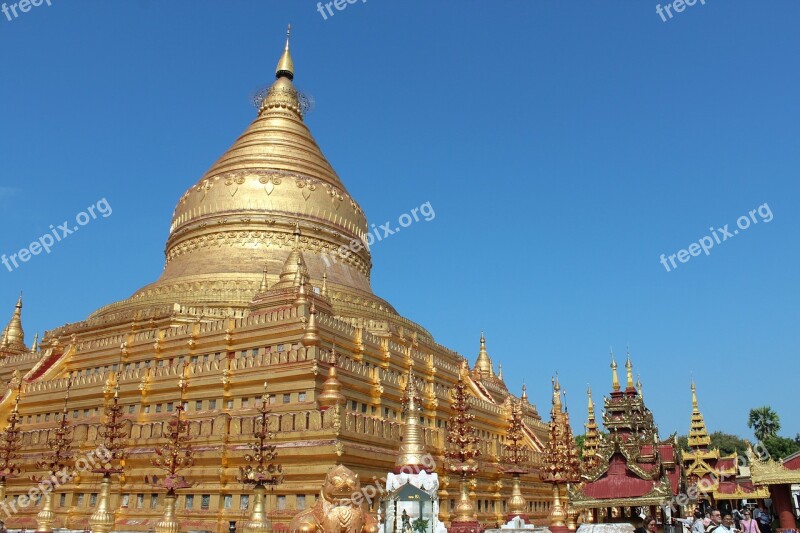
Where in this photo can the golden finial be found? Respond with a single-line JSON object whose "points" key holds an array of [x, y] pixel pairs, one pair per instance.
{"points": [[297, 234], [412, 450], [265, 396], [556, 392], [331, 390], [614, 377], [311, 336], [285, 67], [13, 335], [695, 406], [524, 396], [500, 371], [591, 402], [484, 363], [629, 370], [264, 285], [35, 345], [324, 290]]}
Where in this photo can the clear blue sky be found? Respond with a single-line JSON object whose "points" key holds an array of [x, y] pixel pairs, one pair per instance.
{"points": [[563, 145]]}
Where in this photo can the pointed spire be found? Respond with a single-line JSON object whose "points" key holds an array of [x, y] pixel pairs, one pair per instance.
{"points": [[556, 393], [500, 371], [324, 290], [285, 67], [629, 372], [639, 386], [412, 449], [331, 390], [614, 377], [699, 439], [592, 436], [264, 285], [13, 335], [35, 346], [311, 336], [484, 363], [524, 396]]}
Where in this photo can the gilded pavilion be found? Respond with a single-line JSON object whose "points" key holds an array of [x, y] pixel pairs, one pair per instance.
{"points": [[629, 467], [717, 477], [248, 294]]}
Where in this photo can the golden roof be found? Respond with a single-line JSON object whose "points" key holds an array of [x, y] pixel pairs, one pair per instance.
{"points": [[245, 212], [13, 337]]}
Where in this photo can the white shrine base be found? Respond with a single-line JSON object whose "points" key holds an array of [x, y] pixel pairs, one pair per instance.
{"points": [[423, 480], [605, 528]]}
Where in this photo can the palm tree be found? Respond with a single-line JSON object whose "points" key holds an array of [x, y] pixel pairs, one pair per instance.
{"points": [[764, 421]]}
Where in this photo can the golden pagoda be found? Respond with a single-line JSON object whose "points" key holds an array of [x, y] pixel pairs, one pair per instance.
{"points": [[248, 294], [714, 477]]}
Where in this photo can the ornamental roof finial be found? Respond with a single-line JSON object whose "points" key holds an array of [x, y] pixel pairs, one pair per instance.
{"points": [[614, 377], [285, 67]]}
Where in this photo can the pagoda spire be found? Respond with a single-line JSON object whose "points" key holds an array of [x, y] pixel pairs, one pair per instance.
{"points": [[285, 67], [698, 433], [35, 345], [13, 335], [614, 377], [324, 290], [629, 372], [524, 396], [556, 394], [592, 436], [500, 371], [412, 449], [331, 395], [483, 365], [264, 285]]}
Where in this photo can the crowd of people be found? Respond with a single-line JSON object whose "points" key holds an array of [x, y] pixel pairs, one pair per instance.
{"points": [[749, 519]]}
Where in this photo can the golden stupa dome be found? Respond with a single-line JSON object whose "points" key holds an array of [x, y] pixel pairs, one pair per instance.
{"points": [[243, 215]]}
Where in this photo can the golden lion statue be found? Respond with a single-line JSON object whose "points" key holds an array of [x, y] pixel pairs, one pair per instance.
{"points": [[339, 508]]}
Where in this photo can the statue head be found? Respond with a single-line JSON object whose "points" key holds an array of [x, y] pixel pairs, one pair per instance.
{"points": [[340, 484]]}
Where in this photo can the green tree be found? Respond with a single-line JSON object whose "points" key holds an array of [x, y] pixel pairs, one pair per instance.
{"points": [[683, 442], [780, 447], [728, 443], [579, 440], [765, 422]]}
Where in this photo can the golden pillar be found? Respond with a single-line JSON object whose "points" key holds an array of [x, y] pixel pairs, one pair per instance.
{"points": [[516, 504], [258, 518], [168, 522], [557, 514], [45, 517], [102, 520], [464, 510]]}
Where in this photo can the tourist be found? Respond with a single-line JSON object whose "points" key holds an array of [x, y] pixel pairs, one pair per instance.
{"points": [[748, 523], [764, 519], [715, 521], [737, 518], [699, 525], [649, 525]]}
